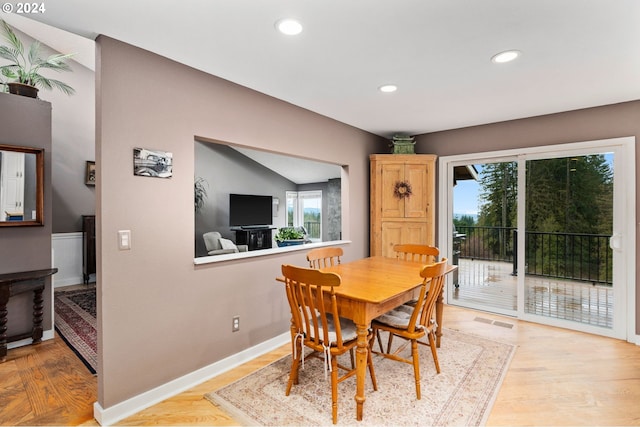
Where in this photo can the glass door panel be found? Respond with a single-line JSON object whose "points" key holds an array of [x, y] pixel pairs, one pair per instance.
{"points": [[569, 220], [483, 240]]}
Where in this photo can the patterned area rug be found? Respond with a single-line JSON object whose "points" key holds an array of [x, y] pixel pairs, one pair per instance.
{"points": [[472, 369], [75, 321]]}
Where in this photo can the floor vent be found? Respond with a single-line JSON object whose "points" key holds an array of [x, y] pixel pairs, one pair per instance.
{"points": [[494, 322]]}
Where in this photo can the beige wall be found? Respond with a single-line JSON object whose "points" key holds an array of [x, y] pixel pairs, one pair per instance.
{"points": [[604, 122], [159, 316]]}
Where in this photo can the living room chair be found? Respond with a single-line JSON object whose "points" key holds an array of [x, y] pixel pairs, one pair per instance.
{"points": [[413, 323], [324, 257], [315, 324], [217, 245]]}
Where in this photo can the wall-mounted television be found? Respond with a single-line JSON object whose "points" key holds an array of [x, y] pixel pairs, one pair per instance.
{"points": [[247, 210]]}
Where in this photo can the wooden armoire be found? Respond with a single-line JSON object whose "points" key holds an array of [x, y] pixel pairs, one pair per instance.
{"points": [[402, 201]]}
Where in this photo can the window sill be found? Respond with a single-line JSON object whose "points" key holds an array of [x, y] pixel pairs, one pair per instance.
{"points": [[263, 252]]}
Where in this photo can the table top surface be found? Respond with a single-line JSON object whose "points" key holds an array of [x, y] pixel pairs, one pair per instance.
{"points": [[9, 278], [376, 279]]}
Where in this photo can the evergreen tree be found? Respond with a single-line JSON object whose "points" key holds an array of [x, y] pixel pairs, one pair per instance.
{"points": [[567, 201], [498, 195]]}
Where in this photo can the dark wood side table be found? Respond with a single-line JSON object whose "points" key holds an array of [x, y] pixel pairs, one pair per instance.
{"points": [[88, 247], [16, 283]]}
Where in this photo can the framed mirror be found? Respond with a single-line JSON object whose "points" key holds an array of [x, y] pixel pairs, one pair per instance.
{"points": [[21, 186]]}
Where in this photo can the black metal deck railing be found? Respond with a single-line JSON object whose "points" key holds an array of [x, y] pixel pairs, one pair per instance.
{"points": [[313, 228], [575, 256]]}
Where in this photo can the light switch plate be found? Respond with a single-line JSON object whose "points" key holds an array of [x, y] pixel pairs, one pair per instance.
{"points": [[124, 239]]}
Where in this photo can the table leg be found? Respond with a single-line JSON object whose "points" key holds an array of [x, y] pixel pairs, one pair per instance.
{"points": [[361, 367], [439, 310], [38, 306]]}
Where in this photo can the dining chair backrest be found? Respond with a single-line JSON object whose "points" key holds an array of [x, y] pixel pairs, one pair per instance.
{"points": [[417, 253], [313, 303], [324, 257], [434, 275], [432, 282]]}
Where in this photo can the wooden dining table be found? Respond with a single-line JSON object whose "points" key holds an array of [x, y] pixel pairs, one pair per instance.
{"points": [[370, 287]]}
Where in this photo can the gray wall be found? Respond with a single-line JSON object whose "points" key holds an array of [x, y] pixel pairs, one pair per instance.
{"points": [[604, 122], [27, 122], [152, 299], [227, 171], [73, 142]]}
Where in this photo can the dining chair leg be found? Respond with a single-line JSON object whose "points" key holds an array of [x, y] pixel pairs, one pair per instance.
{"points": [[434, 351], [377, 334], [389, 343], [334, 389], [416, 366], [371, 372], [295, 364], [293, 375]]}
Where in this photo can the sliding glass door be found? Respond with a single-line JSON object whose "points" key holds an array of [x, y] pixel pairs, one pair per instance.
{"points": [[550, 238]]}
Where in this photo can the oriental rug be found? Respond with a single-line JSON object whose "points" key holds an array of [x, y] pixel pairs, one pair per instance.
{"points": [[472, 370], [75, 322]]}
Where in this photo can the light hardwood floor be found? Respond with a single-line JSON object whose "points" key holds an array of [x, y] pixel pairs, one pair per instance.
{"points": [[557, 377]]}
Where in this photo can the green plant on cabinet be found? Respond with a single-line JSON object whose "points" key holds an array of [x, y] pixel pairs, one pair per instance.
{"points": [[24, 68]]}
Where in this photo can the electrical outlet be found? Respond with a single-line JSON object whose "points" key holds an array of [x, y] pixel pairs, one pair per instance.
{"points": [[235, 324]]}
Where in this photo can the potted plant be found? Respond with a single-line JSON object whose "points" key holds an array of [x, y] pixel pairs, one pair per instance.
{"points": [[200, 192], [23, 71], [288, 236]]}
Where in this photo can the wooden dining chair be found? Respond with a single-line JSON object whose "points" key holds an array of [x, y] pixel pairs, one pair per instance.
{"points": [[413, 323], [417, 253], [314, 310], [324, 257]]}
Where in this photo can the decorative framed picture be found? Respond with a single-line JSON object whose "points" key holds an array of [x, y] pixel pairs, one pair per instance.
{"points": [[154, 163], [90, 173]]}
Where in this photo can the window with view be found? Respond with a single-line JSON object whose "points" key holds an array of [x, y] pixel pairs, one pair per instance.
{"points": [[304, 209]]}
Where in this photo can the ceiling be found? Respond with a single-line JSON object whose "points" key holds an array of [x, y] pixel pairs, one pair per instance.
{"points": [[575, 53]]}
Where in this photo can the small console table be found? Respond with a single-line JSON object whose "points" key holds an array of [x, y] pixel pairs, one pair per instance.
{"points": [[16, 283]]}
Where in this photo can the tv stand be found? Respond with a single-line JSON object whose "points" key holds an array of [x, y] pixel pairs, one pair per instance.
{"points": [[254, 237]]}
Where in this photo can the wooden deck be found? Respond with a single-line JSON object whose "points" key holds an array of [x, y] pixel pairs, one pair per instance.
{"points": [[491, 284]]}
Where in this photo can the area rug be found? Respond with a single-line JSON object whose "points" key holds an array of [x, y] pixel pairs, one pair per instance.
{"points": [[472, 370], [75, 321]]}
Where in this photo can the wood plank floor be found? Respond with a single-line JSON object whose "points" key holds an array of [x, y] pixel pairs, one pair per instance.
{"points": [[557, 377]]}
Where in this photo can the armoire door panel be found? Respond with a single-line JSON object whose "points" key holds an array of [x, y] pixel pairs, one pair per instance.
{"points": [[395, 233], [416, 204], [392, 206]]}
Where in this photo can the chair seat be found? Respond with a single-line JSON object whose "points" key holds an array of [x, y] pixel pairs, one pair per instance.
{"points": [[347, 327], [399, 317]]}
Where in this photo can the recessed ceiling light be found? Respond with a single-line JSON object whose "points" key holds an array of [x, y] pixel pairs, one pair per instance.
{"points": [[506, 56], [290, 27], [388, 88]]}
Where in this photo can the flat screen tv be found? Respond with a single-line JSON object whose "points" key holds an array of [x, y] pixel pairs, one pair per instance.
{"points": [[246, 210]]}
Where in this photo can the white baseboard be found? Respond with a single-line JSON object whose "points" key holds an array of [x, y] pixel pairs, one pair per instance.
{"points": [[67, 255], [110, 416], [46, 335]]}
